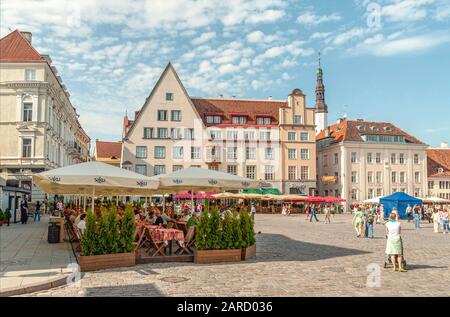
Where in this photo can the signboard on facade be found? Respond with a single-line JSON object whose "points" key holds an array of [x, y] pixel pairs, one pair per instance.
{"points": [[329, 179]]}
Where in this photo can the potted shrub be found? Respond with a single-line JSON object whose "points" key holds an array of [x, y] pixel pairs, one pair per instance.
{"points": [[105, 243], [215, 239], [2, 217], [7, 216], [248, 250]]}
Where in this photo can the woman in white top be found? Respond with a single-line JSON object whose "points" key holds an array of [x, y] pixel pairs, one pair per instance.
{"points": [[284, 210], [394, 245]]}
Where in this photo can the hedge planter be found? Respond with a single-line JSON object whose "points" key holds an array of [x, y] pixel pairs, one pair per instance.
{"points": [[107, 261], [248, 253], [217, 256]]}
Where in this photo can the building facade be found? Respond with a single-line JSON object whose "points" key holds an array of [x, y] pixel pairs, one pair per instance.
{"points": [[39, 125], [250, 138], [108, 152], [359, 160], [439, 171]]}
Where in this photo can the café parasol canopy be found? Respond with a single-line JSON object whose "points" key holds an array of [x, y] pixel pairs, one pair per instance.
{"points": [[94, 178]]}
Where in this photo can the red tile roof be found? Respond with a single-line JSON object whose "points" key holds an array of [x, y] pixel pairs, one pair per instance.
{"points": [[110, 150], [228, 107], [348, 130], [14, 48], [436, 159]]}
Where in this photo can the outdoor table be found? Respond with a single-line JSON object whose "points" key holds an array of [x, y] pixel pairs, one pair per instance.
{"points": [[166, 236]]}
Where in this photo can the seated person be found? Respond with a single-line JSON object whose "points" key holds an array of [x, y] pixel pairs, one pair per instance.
{"points": [[150, 217], [82, 223], [158, 220], [194, 220], [137, 215], [186, 216]]}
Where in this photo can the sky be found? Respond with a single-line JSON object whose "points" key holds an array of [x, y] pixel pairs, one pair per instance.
{"points": [[383, 60]]}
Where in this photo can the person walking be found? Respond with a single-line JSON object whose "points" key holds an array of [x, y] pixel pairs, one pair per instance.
{"points": [[436, 220], [394, 245], [409, 213], [253, 211], [313, 214], [416, 217], [358, 222], [370, 219], [327, 211], [37, 212], [24, 212], [307, 211], [444, 221]]}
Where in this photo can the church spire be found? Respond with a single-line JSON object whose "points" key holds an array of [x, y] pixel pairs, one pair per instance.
{"points": [[320, 106]]}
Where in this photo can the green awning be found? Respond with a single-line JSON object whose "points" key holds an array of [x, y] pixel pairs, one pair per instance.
{"points": [[262, 191]]}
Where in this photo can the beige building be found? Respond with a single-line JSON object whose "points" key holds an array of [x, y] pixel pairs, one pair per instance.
{"points": [[237, 136], [39, 125], [439, 171], [359, 160]]}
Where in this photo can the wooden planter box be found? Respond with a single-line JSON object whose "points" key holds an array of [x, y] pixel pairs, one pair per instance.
{"points": [[106, 261], [248, 253], [217, 256]]}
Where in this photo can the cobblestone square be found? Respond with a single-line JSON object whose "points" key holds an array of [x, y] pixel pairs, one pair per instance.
{"points": [[294, 258]]}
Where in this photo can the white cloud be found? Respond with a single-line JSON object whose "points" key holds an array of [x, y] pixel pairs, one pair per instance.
{"points": [[406, 10], [265, 16], [309, 18], [260, 37], [320, 35], [205, 37], [349, 35]]}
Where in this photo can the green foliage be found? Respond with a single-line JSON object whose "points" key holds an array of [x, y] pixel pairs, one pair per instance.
{"points": [[202, 232], [89, 240], [103, 230], [247, 229], [8, 214], [127, 230], [227, 232], [2, 215], [214, 235], [113, 235], [237, 231]]}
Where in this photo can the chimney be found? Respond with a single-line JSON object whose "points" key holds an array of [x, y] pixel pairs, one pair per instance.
{"points": [[327, 131], [360, 120], [270, 98], [444, 145], [27, 35], [220, 96], [234, 97]]}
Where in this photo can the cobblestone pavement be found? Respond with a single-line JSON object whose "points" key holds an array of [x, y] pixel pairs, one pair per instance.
{"points": [[294, 258]]}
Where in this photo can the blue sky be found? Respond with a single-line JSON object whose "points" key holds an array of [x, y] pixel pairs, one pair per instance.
{"points": [[385, 60]]}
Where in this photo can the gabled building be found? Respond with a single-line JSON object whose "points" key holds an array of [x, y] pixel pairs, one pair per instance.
{"points": [[250, 138], [439, 171], [108, 152], [39, 125], [359, 160]]}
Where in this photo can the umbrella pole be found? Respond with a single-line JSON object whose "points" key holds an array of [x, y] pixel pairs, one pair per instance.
{"points": [[117, 200], [84, 203], [164, 203], [146, 205], [192, 201], [93, 199]]}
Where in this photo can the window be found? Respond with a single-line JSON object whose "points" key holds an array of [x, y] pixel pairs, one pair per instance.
{"points": [[177, 152], [402, 177], [264, 135], [215, 135], [292, 173], [250, 153], [263, 120], [217, 119], [238, 120], [379, 177], [371, 193], [268, 153], [336, 158], [159, 169], [369, 158], [232, 135], [416, 158], [209, 119], [232, 153], [27, 111], [195, 152], [393, 158], [141, 169], [160, 152], [379, 192], [297, 119], [176, 133], [291, 136], [304, 136], [401, 158], [292, 154], [213, 168], [325, 160], [378, 158], [141, 152], [249, 135], [148, 133], [176, 168], [417, 177], [162, 115], [26, 147], [169, 96], [370, 177], [250, 171], [30, 74], [354, 177], [394, 177], [417, 192], [354, 194], [189, 134], [304, 154], [269, 172], [162, 133], [304, 172], [353, 158], [175, 115], [232, 169]]}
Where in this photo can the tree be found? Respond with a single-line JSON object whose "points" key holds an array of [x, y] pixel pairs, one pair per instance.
{"points": [[248, 232], [227, 241], [237, 231], [127, 230], [89, 240], [201, 232], [113, 235], [103, 232], [214, 234]]}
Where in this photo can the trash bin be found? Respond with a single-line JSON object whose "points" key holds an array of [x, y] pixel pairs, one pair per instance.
{"points": [[53, 232]]}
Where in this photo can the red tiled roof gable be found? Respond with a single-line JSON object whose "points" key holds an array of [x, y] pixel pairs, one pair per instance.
{"points": [[109, 150], [438, 158], [14, 48]]}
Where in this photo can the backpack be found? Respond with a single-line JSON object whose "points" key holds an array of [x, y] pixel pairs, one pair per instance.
{"points": [[370, 217]]}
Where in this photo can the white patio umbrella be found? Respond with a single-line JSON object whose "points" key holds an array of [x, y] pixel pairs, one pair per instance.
{"points": [[435, 200], [200, 179], [375, 200], [93, 178]]}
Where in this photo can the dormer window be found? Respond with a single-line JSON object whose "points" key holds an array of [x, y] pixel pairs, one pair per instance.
{"points": [[360, 127], [375, 129], [238, 120], [387, 129], [440, 170], [213, 119], [169, 96], [263, 121]]}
